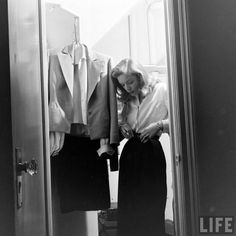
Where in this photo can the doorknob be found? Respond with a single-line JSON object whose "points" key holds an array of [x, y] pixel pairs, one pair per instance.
{"points": [[30, 167]]}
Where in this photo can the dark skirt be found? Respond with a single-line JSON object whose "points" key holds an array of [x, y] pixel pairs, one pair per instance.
{"points": [[142, 190], [81, 176]]}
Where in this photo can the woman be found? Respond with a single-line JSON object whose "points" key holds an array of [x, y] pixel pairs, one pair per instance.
{"points": [[142, 189]]}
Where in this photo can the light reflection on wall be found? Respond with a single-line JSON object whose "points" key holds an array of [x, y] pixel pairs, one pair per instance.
{"points": [[156, 33]]}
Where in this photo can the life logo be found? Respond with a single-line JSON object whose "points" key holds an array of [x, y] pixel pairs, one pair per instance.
{"points": [[216, 225]]}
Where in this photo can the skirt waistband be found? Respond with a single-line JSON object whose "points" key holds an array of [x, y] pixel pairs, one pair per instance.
{"points": [[137, 135]]}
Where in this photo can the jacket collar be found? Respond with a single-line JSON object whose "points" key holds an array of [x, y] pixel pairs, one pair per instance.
{"points": [[95, 66], [80, 49]]}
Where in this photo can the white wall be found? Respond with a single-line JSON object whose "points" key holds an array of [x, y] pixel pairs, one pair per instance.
{"points": [[96, 17], [115, 42]]}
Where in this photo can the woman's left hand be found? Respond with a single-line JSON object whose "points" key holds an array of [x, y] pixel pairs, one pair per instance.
{"points": [[150, 131]]}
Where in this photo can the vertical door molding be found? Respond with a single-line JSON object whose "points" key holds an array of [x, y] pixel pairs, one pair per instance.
{"points": [[45, 114], [187, 122], [175, 127], [182, 123]]}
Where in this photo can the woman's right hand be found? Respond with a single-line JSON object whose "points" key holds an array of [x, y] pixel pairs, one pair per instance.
{"points": [[126, 131]]}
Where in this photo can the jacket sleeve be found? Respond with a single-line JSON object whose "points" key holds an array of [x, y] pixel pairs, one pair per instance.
{"points": [[114, 128], [57, 115]]}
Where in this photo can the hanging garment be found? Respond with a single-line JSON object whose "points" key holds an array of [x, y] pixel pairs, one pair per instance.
{"points": [[60, 95], [101, 95], [70, 111], [81, 177], [56, 142], [82, 104]]}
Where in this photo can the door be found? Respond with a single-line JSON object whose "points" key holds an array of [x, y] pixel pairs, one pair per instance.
{"points": [[28, 120]]}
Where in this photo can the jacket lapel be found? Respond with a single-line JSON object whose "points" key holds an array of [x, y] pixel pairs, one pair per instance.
{"points": [[67, 70], [94, 69]]}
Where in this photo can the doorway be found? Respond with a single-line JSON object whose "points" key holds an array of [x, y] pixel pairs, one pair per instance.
{"points": [[138, 31]]}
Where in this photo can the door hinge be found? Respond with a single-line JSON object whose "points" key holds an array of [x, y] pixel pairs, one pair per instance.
{"points": [[177, 159]]}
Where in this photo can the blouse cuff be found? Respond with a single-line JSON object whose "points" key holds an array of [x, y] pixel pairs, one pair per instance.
{"points": [[165, 124]]}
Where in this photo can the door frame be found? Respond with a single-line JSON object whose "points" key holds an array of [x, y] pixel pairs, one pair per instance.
{"points": [[7, 181], [182, 139], [182, 135], [45, 114], [10, 191]]}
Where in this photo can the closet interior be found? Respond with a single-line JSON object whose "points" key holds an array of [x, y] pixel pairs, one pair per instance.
{"points": [[85, 204]]}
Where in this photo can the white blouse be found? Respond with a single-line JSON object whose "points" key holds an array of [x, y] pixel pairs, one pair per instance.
{"points": [[153, 108]]}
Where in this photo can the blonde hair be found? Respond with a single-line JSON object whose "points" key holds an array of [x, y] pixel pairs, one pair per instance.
{"points": [[130, 67]]}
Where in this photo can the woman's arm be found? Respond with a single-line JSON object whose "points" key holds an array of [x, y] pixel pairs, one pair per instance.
{"points": [[161, 126], [165, 126], [154, 129], [126, 130]]}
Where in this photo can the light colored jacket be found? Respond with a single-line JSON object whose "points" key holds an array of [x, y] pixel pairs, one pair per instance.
{"points": [[102, 106]]}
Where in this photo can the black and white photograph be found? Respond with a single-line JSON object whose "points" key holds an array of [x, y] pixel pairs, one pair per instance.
{"points": [[118, 118]]}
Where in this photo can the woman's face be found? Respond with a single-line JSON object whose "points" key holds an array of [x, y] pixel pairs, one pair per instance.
{"points": [[130, 83]]}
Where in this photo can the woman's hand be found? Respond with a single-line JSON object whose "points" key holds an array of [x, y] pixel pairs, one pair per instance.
{"points": [[150, 131], [126, 131]]}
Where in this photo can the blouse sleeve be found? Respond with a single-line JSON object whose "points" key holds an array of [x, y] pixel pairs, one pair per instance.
{"points": [[165, 124], [165, 121]]}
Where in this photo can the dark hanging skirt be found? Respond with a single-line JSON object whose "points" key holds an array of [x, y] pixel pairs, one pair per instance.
{"points": [[81, 176], [142, 190]]}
